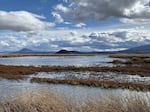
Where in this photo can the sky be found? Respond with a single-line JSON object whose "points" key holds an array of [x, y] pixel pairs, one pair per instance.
{"points": [[83, 25]]}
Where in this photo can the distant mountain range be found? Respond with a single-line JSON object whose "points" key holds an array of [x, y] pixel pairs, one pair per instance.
{"points": [[145, 49], [24, 50], [30, 51]]}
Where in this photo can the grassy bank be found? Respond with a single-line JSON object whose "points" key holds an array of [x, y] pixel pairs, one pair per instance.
{"points": [[52, 102], [142, 56], [134, 61], [96, 83]]}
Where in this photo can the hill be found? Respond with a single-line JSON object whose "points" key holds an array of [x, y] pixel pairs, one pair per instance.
{"points": [[24, 50], [67, 52], [29, 51], [145, 49]]}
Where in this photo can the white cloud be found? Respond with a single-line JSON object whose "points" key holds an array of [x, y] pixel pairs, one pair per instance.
{"points": [[61, 8], [131, 10], [67, 23], [58, 18], [22, 21], [80, 25], [4, 44]]}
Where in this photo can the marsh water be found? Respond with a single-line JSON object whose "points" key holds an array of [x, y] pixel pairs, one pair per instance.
{"points": [[90, 75], [12, 89], [58, 60]]}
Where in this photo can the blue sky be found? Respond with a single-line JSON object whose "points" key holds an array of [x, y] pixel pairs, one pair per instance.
{"points": [[40, 7], [87, 25]]}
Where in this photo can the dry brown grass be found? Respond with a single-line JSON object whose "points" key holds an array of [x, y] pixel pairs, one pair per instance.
{"points": [[37, 102], [130, 56], [52, 102], [133, 61]]}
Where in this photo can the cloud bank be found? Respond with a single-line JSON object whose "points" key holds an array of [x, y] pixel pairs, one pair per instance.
{"points": [[75, 40]]}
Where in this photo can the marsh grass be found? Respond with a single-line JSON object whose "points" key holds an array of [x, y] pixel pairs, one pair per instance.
{"points": [[95, 83], [53, 102], [132, 61], [19, 72], [130, 56]]}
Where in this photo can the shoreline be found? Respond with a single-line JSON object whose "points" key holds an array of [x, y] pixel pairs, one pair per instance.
{"points": [[51, 54], [71, 54]]}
